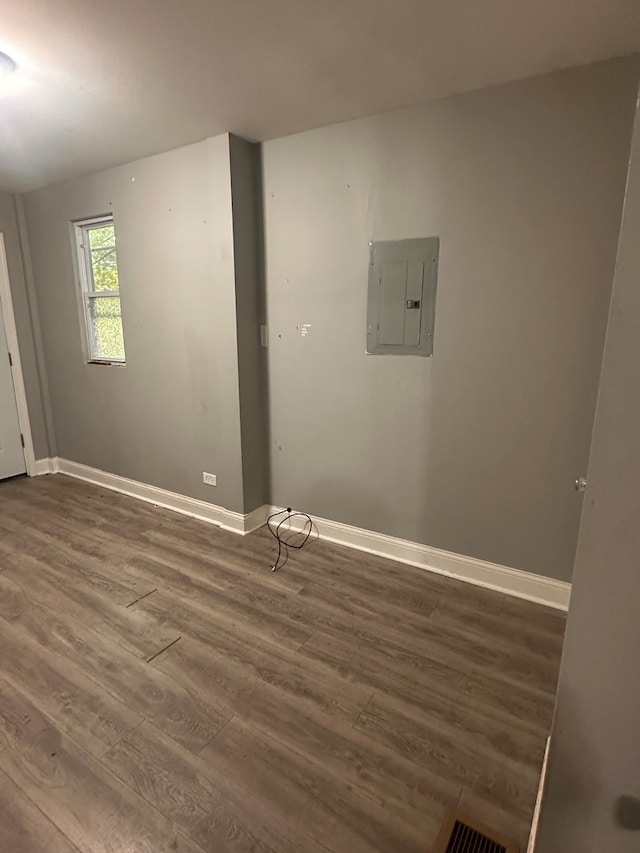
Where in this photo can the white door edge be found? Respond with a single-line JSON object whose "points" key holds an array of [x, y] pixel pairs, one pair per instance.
{"points": [[14, 349]]}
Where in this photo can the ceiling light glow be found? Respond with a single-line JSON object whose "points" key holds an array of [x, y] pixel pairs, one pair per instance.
{"points": [[7, 65]]}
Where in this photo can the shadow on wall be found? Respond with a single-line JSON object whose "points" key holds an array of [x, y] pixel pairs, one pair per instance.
{"points": [[576, 781], [626, 813], [577, 791]]}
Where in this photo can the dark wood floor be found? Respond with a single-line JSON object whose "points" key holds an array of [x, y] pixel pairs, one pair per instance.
{"points": [[162, 690]]}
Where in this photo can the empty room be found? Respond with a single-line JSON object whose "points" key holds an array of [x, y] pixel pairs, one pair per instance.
{"points": [[319, 418]]}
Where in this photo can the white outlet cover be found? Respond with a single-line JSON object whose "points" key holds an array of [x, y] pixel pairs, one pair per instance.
{"points": [[209, 479]]}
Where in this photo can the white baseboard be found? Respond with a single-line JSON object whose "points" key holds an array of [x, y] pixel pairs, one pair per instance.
{"points": [[225, 518], [536, 812], [542, 590], [45, 466], [256, 519]]}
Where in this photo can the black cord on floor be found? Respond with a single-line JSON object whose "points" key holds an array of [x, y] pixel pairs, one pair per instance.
{"points": [[285, 544]]}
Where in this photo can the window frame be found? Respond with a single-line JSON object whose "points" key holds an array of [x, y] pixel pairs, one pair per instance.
{"points": [[87, 292]]}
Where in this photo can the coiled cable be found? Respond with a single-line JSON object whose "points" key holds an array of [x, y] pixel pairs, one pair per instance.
{"points": [[285, 544]]}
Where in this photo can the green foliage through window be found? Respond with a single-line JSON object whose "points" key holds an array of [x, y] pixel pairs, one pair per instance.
{"points": [[104, 263], [101, 285], [106, 328]]}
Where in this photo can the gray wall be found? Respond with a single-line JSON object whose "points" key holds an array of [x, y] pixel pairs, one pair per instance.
{"points": [[174, 410], [26, 316], [246, 195], [474, 451], [593, 784]]}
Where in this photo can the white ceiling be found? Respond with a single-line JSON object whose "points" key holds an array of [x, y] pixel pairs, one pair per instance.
{"points": [[101, 83]]}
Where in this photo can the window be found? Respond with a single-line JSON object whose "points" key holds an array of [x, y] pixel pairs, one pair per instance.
{"points": [[100, 289]]}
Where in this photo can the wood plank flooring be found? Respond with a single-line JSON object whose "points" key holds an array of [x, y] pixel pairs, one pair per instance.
{"points": [[162, 690]]}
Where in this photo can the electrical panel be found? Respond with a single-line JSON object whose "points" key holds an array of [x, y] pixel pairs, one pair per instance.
{"points": [[402, 296]]}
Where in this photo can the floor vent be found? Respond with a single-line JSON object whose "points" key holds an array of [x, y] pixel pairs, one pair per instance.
{"points": [[462, 835]]}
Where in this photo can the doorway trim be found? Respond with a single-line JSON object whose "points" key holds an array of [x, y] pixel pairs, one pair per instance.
{"points": [[16, 368]]}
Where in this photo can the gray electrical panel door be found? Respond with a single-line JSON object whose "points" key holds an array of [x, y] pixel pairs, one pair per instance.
{"points": [[402, 296]]}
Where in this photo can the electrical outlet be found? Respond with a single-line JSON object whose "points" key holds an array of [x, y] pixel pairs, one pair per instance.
{"points": [[209, 479]]}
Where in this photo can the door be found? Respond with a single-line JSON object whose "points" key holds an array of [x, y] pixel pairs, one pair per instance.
{"points": [[11, 450], [592, 799]]}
